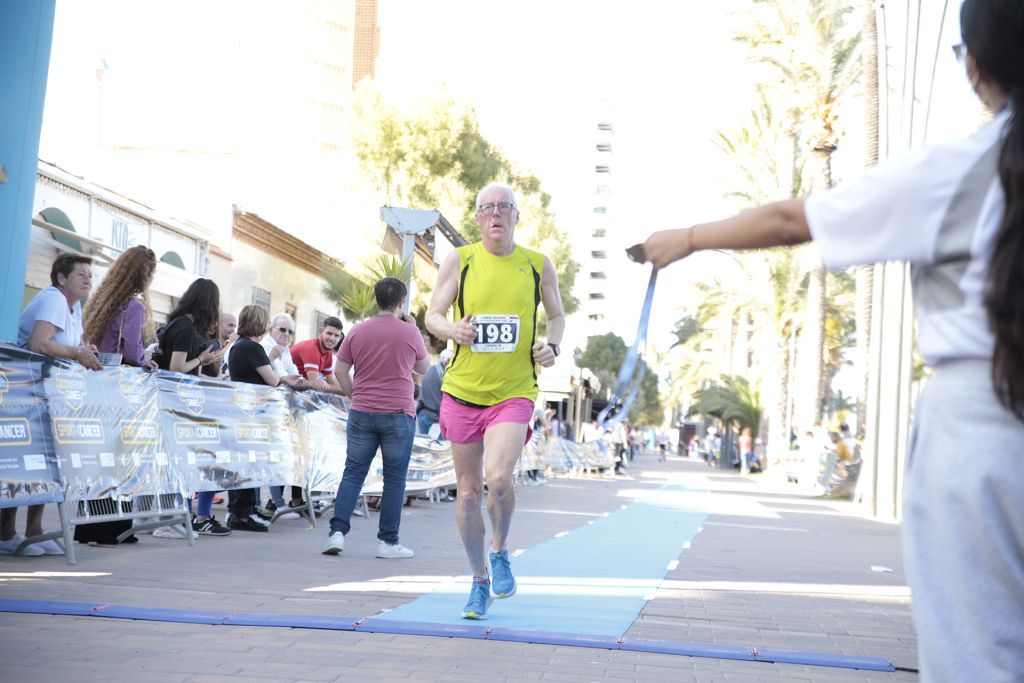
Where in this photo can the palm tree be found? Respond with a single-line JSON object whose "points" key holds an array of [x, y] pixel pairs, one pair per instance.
{"points": [[807, 48], [355, 295], [733, 402]]}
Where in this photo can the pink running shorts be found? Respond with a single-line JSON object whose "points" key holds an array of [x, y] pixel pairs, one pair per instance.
{"points": [[465, 424]]}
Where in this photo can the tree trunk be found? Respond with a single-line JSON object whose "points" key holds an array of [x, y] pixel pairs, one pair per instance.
{"points": [[811, 357], [778, 437], [865, 274]]}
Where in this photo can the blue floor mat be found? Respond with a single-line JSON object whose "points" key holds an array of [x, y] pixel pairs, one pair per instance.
{"points": [[594, 580]]}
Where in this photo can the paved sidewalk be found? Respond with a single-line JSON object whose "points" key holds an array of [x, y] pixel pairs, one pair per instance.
{"points": [[770, 569]]}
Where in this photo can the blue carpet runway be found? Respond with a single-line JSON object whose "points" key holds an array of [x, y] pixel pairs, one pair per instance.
{"points": [[594, 580], [584, 588]]}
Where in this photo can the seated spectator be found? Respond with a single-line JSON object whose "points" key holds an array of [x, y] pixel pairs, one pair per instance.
{"points": [[276, 343], [249, 363], [315, 357], [185, 346], [114, 318], [118, 311], [225, 336], [315, 360], [51, 324]]}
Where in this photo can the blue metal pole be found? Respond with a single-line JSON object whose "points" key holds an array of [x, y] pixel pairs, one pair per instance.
{"points": [[26, 32]]}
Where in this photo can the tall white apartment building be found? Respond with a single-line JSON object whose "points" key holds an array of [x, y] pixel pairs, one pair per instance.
{"points": [[596, 303]]}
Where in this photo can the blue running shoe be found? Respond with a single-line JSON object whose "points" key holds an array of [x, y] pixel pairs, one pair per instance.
{"points": [[479, 600], [503, 583]]}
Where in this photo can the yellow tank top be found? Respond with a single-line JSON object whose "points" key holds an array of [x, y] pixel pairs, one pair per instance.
{"points": [[502, 293]]}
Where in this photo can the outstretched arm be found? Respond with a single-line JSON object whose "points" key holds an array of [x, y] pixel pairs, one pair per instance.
{"points": [[771, 225]]}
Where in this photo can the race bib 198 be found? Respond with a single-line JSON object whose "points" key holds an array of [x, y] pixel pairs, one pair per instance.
{"points": [[495, 333]]}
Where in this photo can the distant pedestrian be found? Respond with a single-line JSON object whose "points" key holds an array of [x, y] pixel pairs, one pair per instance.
{"points": [[428, 407]]}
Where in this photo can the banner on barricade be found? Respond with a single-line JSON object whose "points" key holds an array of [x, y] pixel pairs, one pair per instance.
{"points": [[319, 423], [105, 433], [123, 432], [29, 472], [224, 435]]}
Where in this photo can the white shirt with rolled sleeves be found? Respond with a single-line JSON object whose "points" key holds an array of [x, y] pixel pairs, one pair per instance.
{"points": [[937, 208]]}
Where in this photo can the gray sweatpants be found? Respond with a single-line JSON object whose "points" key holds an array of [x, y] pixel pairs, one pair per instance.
{"points": [[963, 530]]}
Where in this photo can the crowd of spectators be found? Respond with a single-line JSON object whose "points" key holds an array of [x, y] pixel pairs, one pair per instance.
{"points": [[199, 338]]}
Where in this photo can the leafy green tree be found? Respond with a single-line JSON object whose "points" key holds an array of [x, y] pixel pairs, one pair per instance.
{"points": [[604, 356], [438, 158]]}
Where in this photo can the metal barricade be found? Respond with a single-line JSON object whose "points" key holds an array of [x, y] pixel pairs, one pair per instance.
{"points": [[166, 509]]}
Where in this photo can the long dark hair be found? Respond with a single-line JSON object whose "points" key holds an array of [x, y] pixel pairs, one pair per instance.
{"points": [[202, 301], [993, 31]]}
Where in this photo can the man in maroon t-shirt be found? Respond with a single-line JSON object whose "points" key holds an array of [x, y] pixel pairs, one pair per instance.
{"points": [[315, 357], [385, 350]]}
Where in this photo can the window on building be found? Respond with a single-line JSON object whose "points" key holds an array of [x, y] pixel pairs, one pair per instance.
{"points": [[173, 259], [604, 190], [604, 125], [600, 209], [599, 253], [596, 317], [604, 147], [598, 275], [290, 309], [261, 298], [598, 232], [318, 320], [603, 168], [596, 296], [55, 216]]}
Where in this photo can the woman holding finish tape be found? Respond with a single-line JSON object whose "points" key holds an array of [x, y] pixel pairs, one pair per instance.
{"points": [[956, 213]]}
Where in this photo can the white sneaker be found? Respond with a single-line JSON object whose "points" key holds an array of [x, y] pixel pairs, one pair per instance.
{"points": [[49, 547], [393, 552], [335, 544], [288, 515], [10, 545], [175, 531], [259, 520]]}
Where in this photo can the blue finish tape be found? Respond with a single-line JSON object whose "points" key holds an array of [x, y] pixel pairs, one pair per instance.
{"points": [[445, 631]]}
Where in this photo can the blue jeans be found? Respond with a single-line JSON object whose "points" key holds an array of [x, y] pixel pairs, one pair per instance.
{"points": [[424, 422], [393, 434]]}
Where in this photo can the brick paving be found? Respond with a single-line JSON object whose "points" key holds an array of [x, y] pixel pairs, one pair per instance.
{"points": [[771, 569]]}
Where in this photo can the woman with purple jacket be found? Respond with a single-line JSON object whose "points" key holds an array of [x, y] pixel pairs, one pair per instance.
{"points": [[118, 311], [113, 321]]}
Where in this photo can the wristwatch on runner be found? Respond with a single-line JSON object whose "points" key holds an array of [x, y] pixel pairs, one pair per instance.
{"points": [[554, 348]]}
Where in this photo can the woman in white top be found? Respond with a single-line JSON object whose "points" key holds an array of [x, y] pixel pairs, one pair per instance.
{"points": [[51, 324], [956, 213]]}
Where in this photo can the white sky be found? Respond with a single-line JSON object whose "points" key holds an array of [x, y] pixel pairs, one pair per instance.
{"points": [[538, 72]]}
